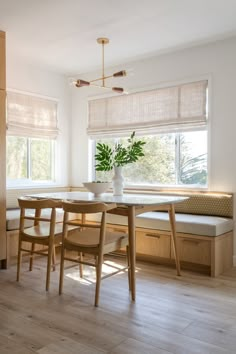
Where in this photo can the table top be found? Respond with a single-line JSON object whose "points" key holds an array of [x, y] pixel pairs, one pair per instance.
{"points": [[126, 199]]}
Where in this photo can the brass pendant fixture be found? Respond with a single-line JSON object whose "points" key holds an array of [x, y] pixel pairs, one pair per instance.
{"points": [[103, 78]]}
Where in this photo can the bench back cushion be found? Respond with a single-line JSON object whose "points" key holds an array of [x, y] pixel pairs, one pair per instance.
{"points": [[207, 204], [200, 203]]}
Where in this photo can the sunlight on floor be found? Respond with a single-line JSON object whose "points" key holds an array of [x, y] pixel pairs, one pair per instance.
{"points": [[89, 275]]}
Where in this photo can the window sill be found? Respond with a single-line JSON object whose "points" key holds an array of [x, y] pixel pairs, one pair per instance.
{"points": [[162, 189], [32, 185]]}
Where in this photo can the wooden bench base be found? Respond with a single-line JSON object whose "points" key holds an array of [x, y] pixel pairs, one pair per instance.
{"points": [[204, 254]]}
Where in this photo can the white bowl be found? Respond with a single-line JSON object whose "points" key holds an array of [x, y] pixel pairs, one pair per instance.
{"points": [[97, 187]]}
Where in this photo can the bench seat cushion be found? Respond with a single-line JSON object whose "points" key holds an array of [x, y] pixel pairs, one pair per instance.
{"points": [[185, 223], [13, 218]]}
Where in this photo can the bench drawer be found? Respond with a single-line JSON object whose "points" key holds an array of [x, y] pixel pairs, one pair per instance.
{"points": [[193, 250], [153, 243]]}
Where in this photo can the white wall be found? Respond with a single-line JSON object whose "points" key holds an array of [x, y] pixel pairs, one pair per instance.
{"points": [[217, 61], [23, 76]]}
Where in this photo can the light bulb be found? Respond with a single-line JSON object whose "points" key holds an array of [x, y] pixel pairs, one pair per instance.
{"points": [[120, 73], [81, 83], [118, 89]]}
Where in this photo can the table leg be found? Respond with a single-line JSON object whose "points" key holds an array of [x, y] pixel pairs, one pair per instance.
{"points": [[132, 250], [173, 236]]}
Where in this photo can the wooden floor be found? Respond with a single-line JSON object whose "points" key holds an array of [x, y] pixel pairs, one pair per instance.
{"points": [[188, 314]]}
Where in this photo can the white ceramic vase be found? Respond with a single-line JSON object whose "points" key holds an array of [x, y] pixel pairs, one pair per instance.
{"points": [[118, 181]]}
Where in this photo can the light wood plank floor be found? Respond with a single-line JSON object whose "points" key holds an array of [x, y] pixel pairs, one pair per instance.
{"points": [[182, 315]]}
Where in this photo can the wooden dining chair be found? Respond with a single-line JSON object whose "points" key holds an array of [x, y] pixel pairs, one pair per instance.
{"points": [[91, 239], [43, 230]]}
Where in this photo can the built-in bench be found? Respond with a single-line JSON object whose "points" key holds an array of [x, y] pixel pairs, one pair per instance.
{"points": [[204, 225]]}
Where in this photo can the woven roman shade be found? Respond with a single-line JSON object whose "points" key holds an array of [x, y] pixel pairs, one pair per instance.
{"points": [[31, 116], [181, 107]]}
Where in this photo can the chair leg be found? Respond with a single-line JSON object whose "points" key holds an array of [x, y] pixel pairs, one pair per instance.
{"points": [[81, 265], [18, 261], [31, 257], [128, 263], [61, 269], [50, 252], [54, 258], [98, 278]]}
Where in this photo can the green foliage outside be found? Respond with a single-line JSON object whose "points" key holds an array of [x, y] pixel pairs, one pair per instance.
{"points": [[193, 166], [29, 158], [157, 166], [41, 161], [16, 157]]}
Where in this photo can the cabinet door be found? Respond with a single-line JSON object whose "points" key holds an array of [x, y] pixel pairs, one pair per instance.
{"points": [[2, 61], [153, 243], [3, 175], [194, 250]]}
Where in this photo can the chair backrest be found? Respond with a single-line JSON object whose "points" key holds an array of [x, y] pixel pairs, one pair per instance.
{"points": [[31, 209], [86, 208]]}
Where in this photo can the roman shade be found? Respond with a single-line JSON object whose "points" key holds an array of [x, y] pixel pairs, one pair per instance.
{"points": [[168, 109], [31, 116]]}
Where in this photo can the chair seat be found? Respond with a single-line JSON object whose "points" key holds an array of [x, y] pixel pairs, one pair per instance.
{"points": [[42, 231], [90, 238]]}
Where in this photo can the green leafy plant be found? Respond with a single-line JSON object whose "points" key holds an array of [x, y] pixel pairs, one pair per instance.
{"points": [[107, 158]]}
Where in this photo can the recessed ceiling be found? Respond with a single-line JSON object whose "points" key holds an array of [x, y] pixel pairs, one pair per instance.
{"points": [[61, 34]]}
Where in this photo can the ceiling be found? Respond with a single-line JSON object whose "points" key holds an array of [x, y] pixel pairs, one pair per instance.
{"points": [[61, 34]]}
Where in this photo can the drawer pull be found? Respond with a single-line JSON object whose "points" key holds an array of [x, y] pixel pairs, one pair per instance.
{"points": [[196, 242], [153, 235]]}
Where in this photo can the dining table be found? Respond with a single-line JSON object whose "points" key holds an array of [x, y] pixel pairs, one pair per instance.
{"points": [[129, 205]]}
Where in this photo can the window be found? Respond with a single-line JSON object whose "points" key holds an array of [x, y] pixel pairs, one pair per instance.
{"points": [[31, 139], [30, 159], [175, 159], [172, 121]]}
